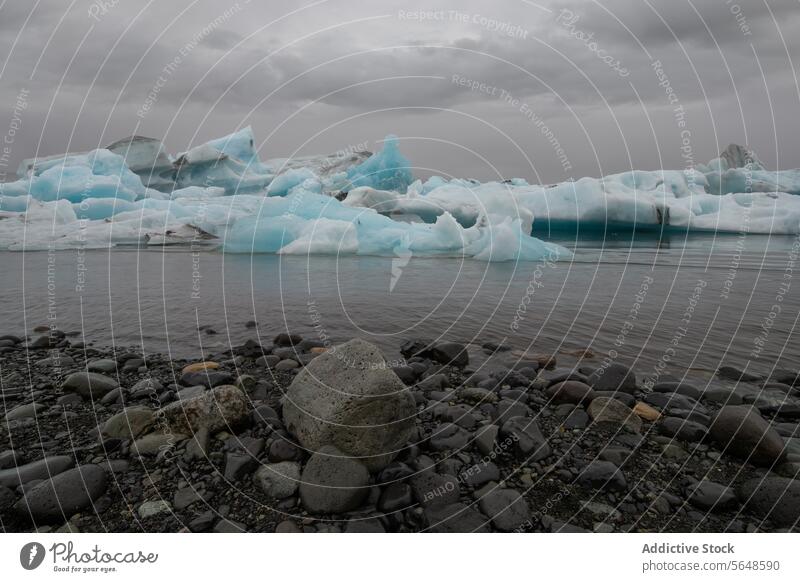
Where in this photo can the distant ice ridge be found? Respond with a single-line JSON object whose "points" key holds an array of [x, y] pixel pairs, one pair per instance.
{"points": [[718, 197], [222, 195]]}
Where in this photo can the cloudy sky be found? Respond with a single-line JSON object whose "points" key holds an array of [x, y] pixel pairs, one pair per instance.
{"points": [[536, 89]]}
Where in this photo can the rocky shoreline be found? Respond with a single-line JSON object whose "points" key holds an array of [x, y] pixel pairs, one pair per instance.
{"points": [[296, 435]]}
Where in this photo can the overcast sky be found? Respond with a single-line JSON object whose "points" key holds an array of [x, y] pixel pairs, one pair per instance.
{"points": [[563, 89]]}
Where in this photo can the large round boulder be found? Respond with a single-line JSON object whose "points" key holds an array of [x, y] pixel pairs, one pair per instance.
{"points": [[349, 398]]}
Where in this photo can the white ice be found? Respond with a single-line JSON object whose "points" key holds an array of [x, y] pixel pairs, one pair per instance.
{"points": [[221, 194]]}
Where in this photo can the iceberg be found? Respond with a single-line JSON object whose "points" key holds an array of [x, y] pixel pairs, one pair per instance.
{"points": [[97, 174], [307, 222], [220, 194], [384, 170]]}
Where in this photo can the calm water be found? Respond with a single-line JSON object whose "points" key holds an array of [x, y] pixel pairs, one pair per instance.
{"points": [[693, 301]]}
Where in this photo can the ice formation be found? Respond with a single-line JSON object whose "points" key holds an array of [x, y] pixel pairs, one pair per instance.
{"points": [[222, 195]]}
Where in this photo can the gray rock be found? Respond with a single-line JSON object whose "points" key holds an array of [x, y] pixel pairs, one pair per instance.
{"points": [[64, 495], [157, 442], [773, 498], [430, 488], [602, 475], [207, 378], [268, 361], [448, 437], [285, 365], [278, 480], [450, 354], [153, 508], [455, 518], [506, 508], [396, 497], [7, 499], [229, 526], [684, 388], [480, 474], [147, 387], [186, 497], [571, 392], [237, 465], [287, 339], [614, 377], [525, 438], [89, 385], [129, 424], [41, 469], [682, 430], [737, 375], [613, 413], [348, 398], [509, 409], [10, 459], [364, 526], [223, 407], [742, 431], [486, 438], [673, 401], [332, 482], [25, 411], [711, 496], [104, 366]]}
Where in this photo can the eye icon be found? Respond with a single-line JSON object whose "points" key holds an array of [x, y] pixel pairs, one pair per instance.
{"points": [[31, 555]]}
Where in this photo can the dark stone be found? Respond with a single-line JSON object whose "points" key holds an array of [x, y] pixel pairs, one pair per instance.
{"points": [[395, 471], [506, 508], [396, 497], [455, 518], [615, 377], [602, 475], [448, 437], [238, 465], [576, 419], [669, 401], [773, 498], [89, 385], [742, 431], [528, 442], [283, 450], [711, 496], [682, 430], [480, 474], [59, 498], [287, 339], [571, 392], [507, 409], [450, 354], [407, 374], [7, 498], [683, 388], [207, 378], [203, 521], [737, 375], [41, 469], [433, 489], [333, 483]]}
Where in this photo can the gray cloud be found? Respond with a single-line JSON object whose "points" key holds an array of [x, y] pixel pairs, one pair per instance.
{"points": [[328, 74]]}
